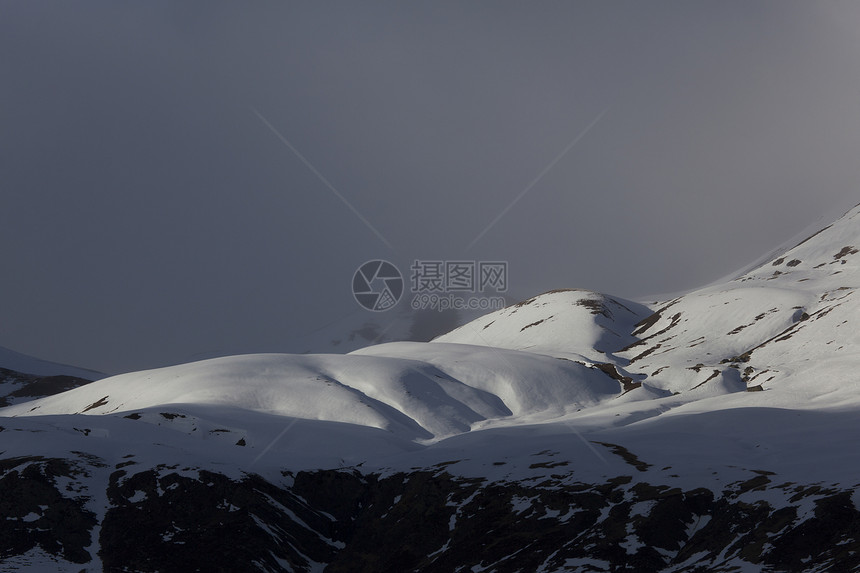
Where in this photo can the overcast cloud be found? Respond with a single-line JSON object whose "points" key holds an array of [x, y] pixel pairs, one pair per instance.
{"points": [[151, 212]]}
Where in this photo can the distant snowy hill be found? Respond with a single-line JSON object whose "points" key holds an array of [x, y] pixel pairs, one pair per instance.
{"points": [[24, 378], [573, 431]]}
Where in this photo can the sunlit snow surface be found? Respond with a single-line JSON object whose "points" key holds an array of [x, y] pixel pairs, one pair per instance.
{"points": [[553, 377]]}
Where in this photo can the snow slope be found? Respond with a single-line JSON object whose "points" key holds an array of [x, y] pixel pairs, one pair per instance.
{"points": [[414, 390], [789, 327]]}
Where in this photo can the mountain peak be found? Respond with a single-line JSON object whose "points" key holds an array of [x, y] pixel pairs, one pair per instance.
{"points": [[566, 323], [824, 254]]}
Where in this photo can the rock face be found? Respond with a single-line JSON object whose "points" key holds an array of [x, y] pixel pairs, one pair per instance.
{"points": [[208, 523], [179, 519], [39, 512]]}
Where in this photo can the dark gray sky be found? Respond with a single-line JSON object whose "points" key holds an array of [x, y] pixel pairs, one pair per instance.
{"points": [[150, 216]]}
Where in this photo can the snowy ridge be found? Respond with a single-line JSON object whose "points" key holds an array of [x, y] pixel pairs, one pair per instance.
{"points": [[414, 390], [779, 327], [11, 360]]}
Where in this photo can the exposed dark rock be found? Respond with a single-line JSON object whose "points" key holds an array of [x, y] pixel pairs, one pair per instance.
{"points": [[847, 250], [652, 319], [532, 324], [161, 519], [627, 456], [595, 306], [98, 403], [35, 513], [611, 370]]}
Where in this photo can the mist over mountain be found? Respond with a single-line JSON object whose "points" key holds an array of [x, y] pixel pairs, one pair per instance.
{"points": [[194, 180]]}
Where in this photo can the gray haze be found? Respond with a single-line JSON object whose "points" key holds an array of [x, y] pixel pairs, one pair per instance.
{"points": [[150, 216]]}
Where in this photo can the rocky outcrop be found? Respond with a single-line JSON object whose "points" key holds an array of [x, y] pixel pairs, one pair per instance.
{"points": [[170, 518], [39, 509]]}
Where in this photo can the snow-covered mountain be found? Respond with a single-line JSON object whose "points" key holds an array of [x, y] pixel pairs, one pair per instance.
{"points": [[573, 431]]}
